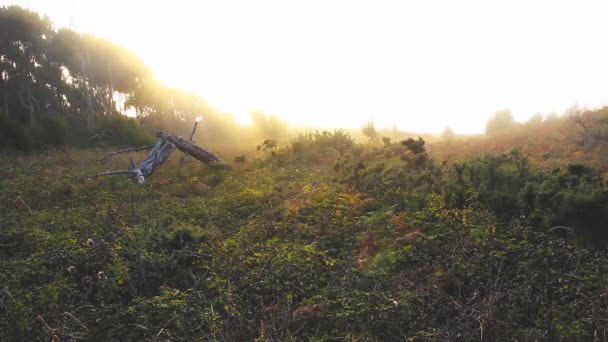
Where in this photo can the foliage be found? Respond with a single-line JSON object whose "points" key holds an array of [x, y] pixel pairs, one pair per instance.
{"points": [[548, 144], [55, 81], [447, 134], [315, 146], [593, 125], [14, 135], [121, 130], [369, 130], [501, 122], [363, 243], [322, 239], [269, 125]]}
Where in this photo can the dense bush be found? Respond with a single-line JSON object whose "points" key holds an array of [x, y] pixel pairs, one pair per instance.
{"points": [[317, 146], [57, 131], [505, 184], [13, 135], [121, 130]]}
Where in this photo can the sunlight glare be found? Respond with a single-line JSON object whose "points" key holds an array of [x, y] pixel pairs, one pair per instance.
{"points": [[242, 118]]}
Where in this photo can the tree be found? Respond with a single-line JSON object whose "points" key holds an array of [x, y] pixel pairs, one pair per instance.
{"points": [[594, 125], [447, 134], [535, 120], [268, 126], [27, 76], [501, 121], [54, 81], [551, 117]]}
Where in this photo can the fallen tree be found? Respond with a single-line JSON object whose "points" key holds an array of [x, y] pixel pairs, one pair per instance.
{"points": [[190, 148], [166, 144]]}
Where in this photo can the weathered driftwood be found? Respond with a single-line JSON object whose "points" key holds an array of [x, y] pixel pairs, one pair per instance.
{"points": [[165, 145], [181, 161], [192, 149], [160, 152]]}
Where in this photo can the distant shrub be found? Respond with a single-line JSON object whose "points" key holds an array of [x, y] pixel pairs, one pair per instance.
{"points": [[369, 130], [447, 134], [315, 145], [415, 146]]}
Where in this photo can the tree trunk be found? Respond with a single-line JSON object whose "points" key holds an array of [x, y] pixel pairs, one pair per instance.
{"points": [[111, 97], [155, 158], [87, 91], [6, 105], [190, 148], [165, 145], [26, 101]]}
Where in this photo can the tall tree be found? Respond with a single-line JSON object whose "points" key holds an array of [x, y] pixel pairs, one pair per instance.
{"points": [[502, 121]]}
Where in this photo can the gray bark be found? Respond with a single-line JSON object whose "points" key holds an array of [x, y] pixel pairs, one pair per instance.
{"points": [[165, 145], [181, 162], [192, 149], [135, 149], [154, 159]]}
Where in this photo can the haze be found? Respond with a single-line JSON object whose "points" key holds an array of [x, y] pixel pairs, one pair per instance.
{"points": [[419, 65]]}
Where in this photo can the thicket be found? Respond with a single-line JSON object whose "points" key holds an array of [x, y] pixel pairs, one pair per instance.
{"points": [[322, 240]]}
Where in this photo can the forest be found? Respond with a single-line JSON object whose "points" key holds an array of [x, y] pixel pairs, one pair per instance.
{"points": [[322, 235]]}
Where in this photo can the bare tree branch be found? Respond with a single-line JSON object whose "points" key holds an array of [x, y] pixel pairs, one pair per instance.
{"points": [[135, 149]]}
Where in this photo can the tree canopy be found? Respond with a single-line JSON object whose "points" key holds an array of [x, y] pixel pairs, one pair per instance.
{"points": [[501, 122], [52, 81]]}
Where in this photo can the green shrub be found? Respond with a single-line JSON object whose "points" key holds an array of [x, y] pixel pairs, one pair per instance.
{"points": [[52, 130], [14, 135], [121, 130], [316, 146]]}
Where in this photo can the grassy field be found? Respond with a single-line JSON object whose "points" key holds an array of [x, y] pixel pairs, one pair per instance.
{"points": [[322, 240]]}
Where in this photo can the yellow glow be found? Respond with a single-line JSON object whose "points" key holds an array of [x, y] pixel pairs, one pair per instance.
{"points": [[242, 117], [419, 64]]}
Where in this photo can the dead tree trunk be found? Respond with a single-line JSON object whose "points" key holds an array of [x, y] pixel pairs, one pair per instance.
{"points": [[165, 145], [192, 149], [181, 161], [155, 158]]}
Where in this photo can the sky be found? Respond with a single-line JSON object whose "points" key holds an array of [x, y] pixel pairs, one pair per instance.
{"points": [[421, 65]]}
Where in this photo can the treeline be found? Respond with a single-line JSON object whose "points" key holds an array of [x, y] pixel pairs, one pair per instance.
{"points": [[593, 123], [63, 87]]}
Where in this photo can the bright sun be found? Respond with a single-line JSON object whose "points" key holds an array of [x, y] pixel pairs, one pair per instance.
{"points": [[420, 65], [241, 117]]}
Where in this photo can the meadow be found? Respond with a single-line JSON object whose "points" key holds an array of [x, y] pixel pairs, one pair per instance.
{"points": [[364, 235], [323, 239]]}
